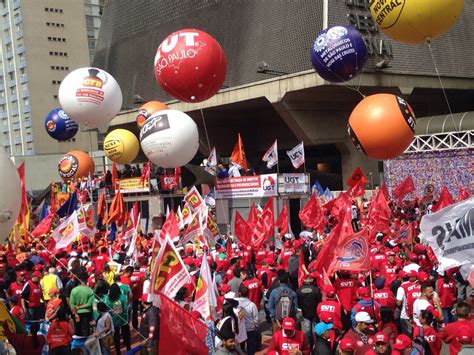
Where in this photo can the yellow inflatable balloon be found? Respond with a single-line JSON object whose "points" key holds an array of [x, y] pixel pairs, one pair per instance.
{"points": [[121, 146], [415, 21]]}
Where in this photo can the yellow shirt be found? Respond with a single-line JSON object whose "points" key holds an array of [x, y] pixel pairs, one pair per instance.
{"points": [[47, 283], [109, 277]]}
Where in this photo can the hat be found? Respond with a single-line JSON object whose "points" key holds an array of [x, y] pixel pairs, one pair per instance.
{"points": [[229, 295], [363, 292], [36, 274], [22, 273], [363, 317], [224, 288], [288, 324], [330, 290], [240, 245], [38, 267], [73, 253], [381, 337], [464, 335], [413, 257], [347, 344], [391, 253], [379, 282], [53, 291], [412, 273], [322, 328], [287, 244], [422, 276], [402, 342]]}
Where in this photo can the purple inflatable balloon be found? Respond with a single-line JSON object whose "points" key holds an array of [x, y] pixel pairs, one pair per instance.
{"points": [[339, 53]]}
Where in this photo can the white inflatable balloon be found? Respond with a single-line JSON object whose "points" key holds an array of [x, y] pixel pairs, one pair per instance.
{"points": [[10, 195], [169, 138], [90, 96]]}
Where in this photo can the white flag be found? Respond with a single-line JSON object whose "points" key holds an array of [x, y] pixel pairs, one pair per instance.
{"points": [[66, 232], [133, 242], [296, 155], [450, 233], [211, 162], [205, 297], [180, 218], [271, 155]]}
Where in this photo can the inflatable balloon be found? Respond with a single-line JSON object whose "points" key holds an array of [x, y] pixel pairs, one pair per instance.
{"points": [[121, 146], [75, 164], [382, 126], [10, 195], [147, 110], [415, 21], [59, 125], [190, 65], [90, 96], [169, 138], [339, 53]]}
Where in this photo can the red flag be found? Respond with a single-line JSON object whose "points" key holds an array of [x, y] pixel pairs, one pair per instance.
{"points": [[253, 217], [183, 333], [379, 213], [445, 199], [24, 199], [357, 175], [145, 176], [114, 176], [351, 251], [384, 190], [312, 214], [241, 229], [340, 203], [301, 271], [117, 210], [405, 234], [282, 220], [238, 154], [403, 189], [265, 226], [102, 206], [44, 227], [357, 190], [228, 248], [463, 194], [170, 227]]}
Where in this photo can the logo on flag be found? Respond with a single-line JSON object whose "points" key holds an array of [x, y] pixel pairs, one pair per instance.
{"points": [[296, 155], [194, 199], [271, 155], [66, 232], [211, 162], [353, 253]]}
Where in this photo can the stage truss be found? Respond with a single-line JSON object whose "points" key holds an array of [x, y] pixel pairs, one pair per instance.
{"points": [[441, 142]]}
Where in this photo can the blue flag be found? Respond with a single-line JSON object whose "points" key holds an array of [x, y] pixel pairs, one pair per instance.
{"points": [[113, 231], [68, 207], [328, 194], [44, 212], [319, 189]]}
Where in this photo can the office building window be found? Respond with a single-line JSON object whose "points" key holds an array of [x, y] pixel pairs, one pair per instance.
{"points": [[50, 9], [58, 54], [55, 24], [55, 97], [56, 82], [57, 39]]}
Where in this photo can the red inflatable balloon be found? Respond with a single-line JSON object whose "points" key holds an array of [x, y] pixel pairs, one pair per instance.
{"points": [[190, 65]]}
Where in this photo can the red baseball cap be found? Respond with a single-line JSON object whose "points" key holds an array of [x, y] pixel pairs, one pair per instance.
{"points": [[347, 344], [381, 337], [330, 290], [402, 342], [22, 273], [363, 292], [38, 267], [288, 324], [36, 274], [422, 276]]}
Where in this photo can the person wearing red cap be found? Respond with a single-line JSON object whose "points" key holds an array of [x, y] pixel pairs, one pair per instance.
{"points": [[265, 273], [447, 292], [428, 335], [408, 290], [285, 255], [390, 267], [289, 340], [346, 347], [381, 345], [360, 334], [403, 346], [450, 332], [260, 256], [365, 304], [330, 310], [16, 287], [32, 295]]}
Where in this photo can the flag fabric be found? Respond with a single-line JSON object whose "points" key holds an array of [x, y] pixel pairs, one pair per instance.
{"points": [[357, 190], [312, 214], [45, 211], [194, 199], [145, 175], [115, 178], [12, 322], [117, 210], [133, 240], [238, 154], [211, 165], [179, 327], [463, 194], [296, 155], [68, 207], [179, 218], [187, 215], [24, 198], [101, 208], [379, 213], [242, 230], [204, 297], [301, 270], [405, 234], [357, 175], [282, 221], [384, 190], [193, 230], [352, 250], [317, 188], [170, 228], [43, 227], [328, 194], [169, 273], [444, 200], [265, 226], [252, 217], [211, 225], [271, 155], [66, 232], [112, 231], [404, 188]]}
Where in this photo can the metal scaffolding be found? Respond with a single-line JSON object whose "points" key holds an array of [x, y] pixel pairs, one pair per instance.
{"points": [[442, 141]]}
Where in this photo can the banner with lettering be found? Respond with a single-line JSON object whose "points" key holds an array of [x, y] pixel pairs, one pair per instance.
{"points": [[247, 186], [133, 185], [293, 184]]}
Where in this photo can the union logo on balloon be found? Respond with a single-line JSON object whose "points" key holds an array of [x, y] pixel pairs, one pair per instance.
{"points": [[59, 125], [121, 146], [147, 110], [190, 65], [75, 164]]}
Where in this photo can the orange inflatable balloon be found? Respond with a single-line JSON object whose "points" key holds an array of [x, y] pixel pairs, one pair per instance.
{"points": [[75, 164], [382, 126], [149, 109]]}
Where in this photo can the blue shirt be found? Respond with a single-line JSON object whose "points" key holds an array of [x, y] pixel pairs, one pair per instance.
{"points": [[275, 295]]}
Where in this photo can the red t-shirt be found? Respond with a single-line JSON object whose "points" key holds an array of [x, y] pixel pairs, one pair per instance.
{"points": [[346, 290], [126, 280], [282, 345], [378, 259], [432, 338], [446, 292], [100, 260], [270, 275], [15, 289], [35, 294], [19, 314], [246, 256], [137, 279], [330, 311], [385, 297], [260, 256], [450, 332], [255, 290], [285, 258]]}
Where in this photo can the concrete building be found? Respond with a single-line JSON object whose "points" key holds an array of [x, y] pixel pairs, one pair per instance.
{"points": [[42, 41]]}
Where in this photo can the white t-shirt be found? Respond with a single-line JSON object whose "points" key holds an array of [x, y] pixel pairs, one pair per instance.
{"points": [[242, 336], [418, 306], [401, 297]]}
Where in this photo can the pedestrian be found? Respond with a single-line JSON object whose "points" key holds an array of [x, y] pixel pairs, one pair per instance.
{"points": [[289, 340], [81, 300], [60, 334], [116, 301], [360, 333], [323, 343], [104, 330]]}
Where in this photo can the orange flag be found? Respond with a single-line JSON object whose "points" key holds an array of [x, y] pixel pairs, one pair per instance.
{"points": [[102, 207], [238, 154], [117, 210]]}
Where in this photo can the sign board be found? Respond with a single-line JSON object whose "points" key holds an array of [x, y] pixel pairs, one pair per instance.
{"points": [[293, 184], [247, 186], [134, 185]]}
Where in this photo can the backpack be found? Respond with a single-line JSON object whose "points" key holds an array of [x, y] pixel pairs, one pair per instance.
{"points": [[283, 306], [117, 307], [420, 343]]}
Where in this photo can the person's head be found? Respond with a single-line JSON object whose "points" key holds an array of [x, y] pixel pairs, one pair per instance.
{"points": [[362, 321], [427, 290], [114, 292], [462, 310], [83, 276], [386, 314], [288, 326], [322, 330], [283, 278], [403, 344], [391, 257], [381, 343], [102, 307], [128, 270], [426, 317], [181, 294], [106, 268], [236, 272], [379, 282], [243, 274], [346, 346], [52, 270], [229, 343], [61, 315], [243, 291], [36, 276], [13, 301], [330, 291]]}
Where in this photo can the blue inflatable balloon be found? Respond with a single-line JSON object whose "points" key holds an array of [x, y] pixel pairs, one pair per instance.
{"points": [[339, 53], [59, 125]]}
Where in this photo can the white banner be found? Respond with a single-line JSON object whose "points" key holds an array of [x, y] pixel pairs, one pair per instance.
{"points": [[296, 155], [247, 186], [293, 184], [450, 233], [271, 155]]}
